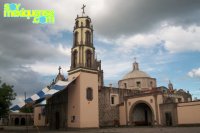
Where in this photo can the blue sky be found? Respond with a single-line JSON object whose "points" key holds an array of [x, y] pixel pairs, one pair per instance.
{"points": [[164, 36]]}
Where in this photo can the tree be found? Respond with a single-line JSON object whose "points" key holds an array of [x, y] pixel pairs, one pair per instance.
{"points": [[6, 96], [27, 108]]}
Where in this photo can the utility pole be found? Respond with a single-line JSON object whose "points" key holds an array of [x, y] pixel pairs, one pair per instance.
{"points": [[26, 112]]}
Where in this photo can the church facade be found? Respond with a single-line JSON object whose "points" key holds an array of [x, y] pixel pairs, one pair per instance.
{"points": [[77, 105], [87, 103]]}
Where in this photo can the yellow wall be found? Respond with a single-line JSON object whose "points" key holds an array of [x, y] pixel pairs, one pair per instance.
{"points": [[131, 83], [188, 113], [37, 111], [122, 115], [146, 99], [86, 112], [159, 101], [89, 109], [73, 101]]}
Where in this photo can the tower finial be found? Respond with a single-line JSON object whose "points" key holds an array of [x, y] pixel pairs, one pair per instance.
{"points": [[59, 69], [135, 65], [83, 8], [135, 59]]}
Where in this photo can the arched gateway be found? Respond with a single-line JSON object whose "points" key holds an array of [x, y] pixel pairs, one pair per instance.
{"points": [[141, 114]]}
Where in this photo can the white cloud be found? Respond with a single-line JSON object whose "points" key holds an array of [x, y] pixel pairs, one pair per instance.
{"points": [[114, 71], [64, 50], [178, 39], [139, 40], [194, 73], [45, 68], [19, 100], [175, 39]]}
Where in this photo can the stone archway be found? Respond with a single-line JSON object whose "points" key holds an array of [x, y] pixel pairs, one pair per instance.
{"points": [[16, 121], [141, 114], [23, 121]]}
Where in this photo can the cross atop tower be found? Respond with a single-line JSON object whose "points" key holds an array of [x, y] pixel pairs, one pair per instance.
{"points": [[59, 69], [83, 9], [135, 59]]}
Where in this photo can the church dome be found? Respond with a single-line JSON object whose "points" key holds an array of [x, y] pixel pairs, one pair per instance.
{"points": [[136, 73]]}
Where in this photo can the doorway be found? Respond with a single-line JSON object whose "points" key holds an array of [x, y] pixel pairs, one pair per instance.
{"points": [[57, 115], [168, 118], [16, 121], [141, 115]]}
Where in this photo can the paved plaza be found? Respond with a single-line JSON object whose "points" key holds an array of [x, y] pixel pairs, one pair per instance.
{"points": [[105, 130]]}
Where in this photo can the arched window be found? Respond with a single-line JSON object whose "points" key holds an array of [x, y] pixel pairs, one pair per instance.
{"points": [[125, 85], [113, 99], [138, 84], [76, 38], [17, 121], [87, 38], [75, 59], [151, 84], [89, 94], [39, 116], [88, 58], [23, 121], [87, 23], [77, 24]]}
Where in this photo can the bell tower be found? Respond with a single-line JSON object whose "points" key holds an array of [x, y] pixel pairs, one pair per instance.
{"points": [[83, 51], [83, 94]]}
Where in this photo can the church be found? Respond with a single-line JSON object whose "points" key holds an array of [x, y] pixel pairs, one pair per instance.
{"points": [[137, 101]]}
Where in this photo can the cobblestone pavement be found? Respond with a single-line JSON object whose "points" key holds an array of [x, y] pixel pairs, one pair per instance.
{"points": [[105, 130]]}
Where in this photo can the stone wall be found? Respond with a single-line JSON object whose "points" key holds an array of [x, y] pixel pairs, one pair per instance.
{"points": [[39, 115], [127, 92], [168, 113], [20, 119], [108, 113], [57, 110]]}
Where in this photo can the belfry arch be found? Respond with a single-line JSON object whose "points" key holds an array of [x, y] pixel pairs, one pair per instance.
{"points": [[87, 23], [75, 38], [74, 61], [88, 58], [141, 114], [87, 38]]}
